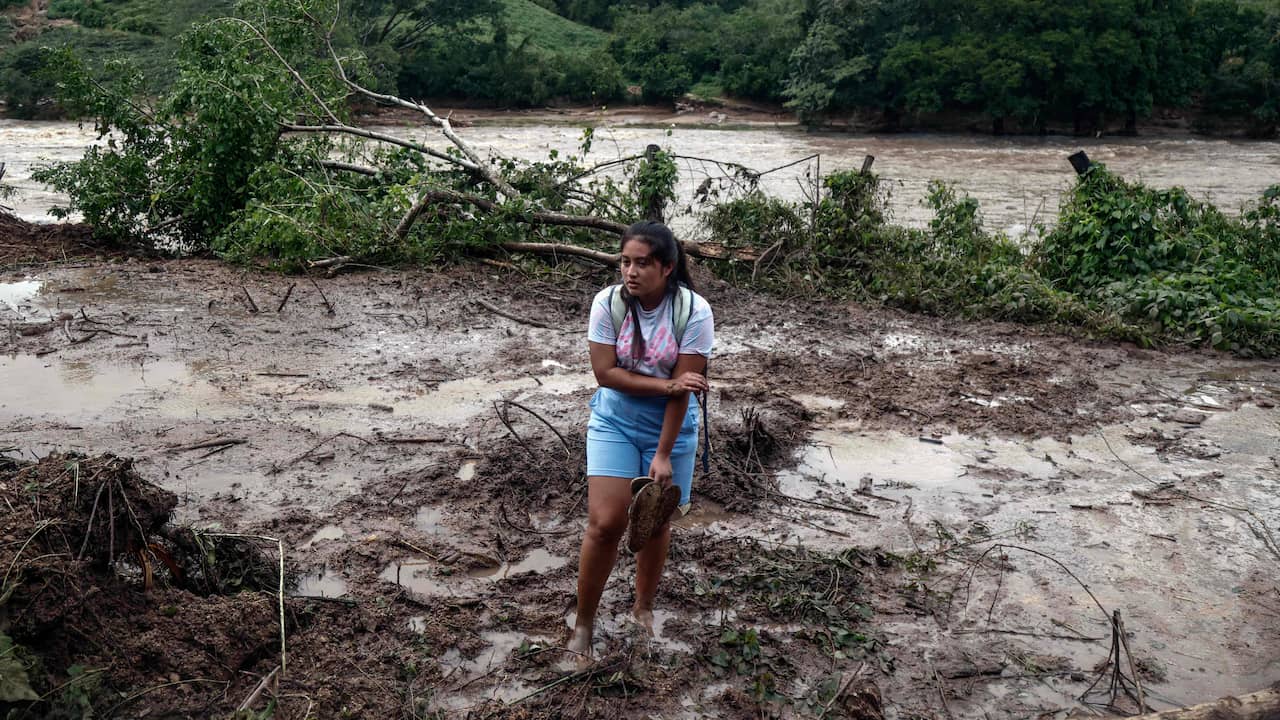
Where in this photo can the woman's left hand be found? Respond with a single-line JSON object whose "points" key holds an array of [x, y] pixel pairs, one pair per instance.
{"points": [[660, 470]]}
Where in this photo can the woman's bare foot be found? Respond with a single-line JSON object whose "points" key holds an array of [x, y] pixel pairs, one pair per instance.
{"points": [[644, 617], [580, 645]]}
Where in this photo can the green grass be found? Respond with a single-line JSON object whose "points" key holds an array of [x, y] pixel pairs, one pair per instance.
{"points": [[549, 31]]}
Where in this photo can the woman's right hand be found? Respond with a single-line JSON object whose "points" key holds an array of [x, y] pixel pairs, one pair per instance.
{"points": [[690, 382]]}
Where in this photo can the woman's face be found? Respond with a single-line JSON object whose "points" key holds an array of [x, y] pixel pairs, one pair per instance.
{"points": [[644, 275]]}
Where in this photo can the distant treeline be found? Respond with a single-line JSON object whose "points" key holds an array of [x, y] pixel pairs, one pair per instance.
{"points": [[1021, 64]]}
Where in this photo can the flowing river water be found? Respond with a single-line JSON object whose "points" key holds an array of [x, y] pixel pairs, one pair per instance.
{"points": [[1018, 181]]}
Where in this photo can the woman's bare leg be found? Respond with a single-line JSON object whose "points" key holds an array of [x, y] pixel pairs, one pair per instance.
{"points": [[607, 501], [649, 563]]}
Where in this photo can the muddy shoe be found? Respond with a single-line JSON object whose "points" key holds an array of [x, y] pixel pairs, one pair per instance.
{"points": [[670, 503], [646, 506]]}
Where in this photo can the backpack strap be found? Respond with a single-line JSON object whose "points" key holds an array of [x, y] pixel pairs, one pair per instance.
{"points": [[681, 311], [617, 310]]}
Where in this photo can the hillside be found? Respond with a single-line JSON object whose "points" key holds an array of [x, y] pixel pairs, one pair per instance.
{"points": [[549, 31]]}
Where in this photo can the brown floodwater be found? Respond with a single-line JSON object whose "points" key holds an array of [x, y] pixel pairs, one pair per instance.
{"points": [[1018, 181]]}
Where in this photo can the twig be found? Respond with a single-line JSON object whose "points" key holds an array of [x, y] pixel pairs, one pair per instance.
{"points": [[321, 444], [844, 685], [498, 311], [827, 506], [502, 513], [568, 453], [220, 442], [506, 422], [411, 440], [257, 691], [287, 294], [322, 295], [253, 306]]}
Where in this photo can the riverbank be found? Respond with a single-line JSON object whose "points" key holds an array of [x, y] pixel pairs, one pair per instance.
{"points": [[728, 113], [379, 425]]}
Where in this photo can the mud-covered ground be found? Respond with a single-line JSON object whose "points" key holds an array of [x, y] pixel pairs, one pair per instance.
{"points": [[889, 498]]}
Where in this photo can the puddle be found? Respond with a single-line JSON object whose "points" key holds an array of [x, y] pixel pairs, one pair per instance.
{"points": [[704, 514], [325, 583], [455, 401], [328, 532], [503, 689], [14, 294], [467, 472], [418, 576], [818, 403], [79, 389], [429, 520], [538, 561], [846, 458]]}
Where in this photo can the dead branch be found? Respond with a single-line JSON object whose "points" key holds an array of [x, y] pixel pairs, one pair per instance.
{"points": [[344, 129], [411, 440], [1262, 705], [349, 167], [523, 321], [218, 443], [562, 249], [568, 453], [478, 165], [329, 262], [322, 296], [287, 294], [441, 196], [253, 306]]}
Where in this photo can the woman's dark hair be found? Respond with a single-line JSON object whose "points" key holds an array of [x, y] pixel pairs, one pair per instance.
{"points": [[665, 249]]}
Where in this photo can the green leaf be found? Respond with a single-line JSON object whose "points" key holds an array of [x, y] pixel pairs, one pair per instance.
{"points": [[14, 684]]}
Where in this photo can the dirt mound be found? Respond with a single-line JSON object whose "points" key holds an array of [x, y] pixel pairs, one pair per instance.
{"points": [[95, 580], [22, 242]]}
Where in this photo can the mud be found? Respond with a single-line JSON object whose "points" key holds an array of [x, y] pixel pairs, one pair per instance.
{"points": [[863, 461], [24, 243]]}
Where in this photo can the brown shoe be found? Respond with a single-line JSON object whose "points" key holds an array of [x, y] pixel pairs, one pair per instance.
{"points": [[670, 501], [646, 506]]}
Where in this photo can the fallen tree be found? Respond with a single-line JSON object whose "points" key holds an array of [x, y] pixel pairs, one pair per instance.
{"points": [[254, 154]]}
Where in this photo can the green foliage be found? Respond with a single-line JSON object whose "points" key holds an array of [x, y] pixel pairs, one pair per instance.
{"points": [[185, 164], [653, 183], [1123, 260], [1172, 267]]}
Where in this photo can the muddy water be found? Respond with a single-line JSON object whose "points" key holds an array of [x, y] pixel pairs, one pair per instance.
{"points": [[1018, 181], [1189, 577]]}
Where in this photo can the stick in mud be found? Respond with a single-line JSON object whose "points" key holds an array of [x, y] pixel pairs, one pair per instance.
{"points": [[253, 306], [322, 296], [287, 294], [509, 316]]}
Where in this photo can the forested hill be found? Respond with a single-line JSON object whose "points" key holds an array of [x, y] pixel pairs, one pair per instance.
{"points": [[1021, 64]]}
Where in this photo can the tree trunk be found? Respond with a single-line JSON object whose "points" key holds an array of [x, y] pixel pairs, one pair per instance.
{"points": [[1262, 705]]}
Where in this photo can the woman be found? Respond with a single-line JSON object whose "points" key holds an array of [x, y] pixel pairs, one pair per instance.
{"points": [[642, 420]]}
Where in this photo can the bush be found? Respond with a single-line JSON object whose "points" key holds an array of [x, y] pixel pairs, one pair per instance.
{"points": [[1173, 268]]}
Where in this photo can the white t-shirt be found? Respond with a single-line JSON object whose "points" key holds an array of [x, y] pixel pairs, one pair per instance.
{"points": [[658, 328]]}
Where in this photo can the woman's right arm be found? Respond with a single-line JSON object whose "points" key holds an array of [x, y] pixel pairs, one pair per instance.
{"points": [[604, 363]]}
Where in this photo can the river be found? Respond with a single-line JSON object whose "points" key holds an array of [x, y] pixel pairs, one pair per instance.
{"points": [[1018, 181]]}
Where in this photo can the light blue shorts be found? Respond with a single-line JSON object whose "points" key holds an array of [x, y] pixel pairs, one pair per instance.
{"points": [[622, 437]]}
